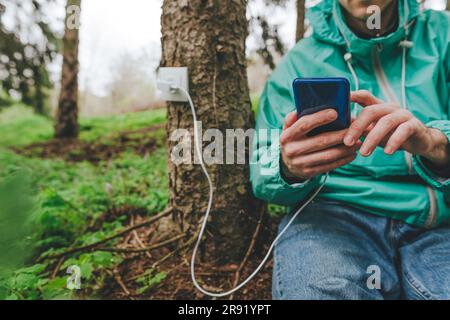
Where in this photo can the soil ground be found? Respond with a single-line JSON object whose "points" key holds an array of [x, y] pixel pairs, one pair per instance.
{"points": [[178, 283], [73, 150]]}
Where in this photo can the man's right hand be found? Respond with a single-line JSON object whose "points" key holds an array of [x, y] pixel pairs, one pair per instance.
{"points": [[306, 157]]}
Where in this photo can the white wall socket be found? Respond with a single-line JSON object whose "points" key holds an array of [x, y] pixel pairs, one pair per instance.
{"points": [[179, 77]]}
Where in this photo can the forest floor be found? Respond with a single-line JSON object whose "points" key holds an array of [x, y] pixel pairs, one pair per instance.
{"points": [[87, 203]]}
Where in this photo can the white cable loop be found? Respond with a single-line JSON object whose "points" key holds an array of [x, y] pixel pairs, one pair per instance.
{"points": [[208, 211]]}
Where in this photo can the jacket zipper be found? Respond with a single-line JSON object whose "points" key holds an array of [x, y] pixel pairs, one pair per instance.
{"points": [[390, 95]]}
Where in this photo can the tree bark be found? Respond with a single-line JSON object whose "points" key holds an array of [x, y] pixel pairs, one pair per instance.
{"points": [[208, 37], [66, 125], [300, 20]]}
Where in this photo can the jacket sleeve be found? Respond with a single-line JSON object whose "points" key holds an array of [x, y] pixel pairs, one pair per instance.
{"points": [[267, 182], [439, 183]]}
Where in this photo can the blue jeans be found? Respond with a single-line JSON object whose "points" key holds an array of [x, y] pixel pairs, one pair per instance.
{"points": [[333, 251]]}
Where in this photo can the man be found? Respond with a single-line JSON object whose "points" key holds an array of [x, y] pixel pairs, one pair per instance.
{"points": [[379, 229]]}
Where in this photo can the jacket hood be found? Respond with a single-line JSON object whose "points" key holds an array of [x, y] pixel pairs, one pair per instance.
{"points": [[329, 26]]}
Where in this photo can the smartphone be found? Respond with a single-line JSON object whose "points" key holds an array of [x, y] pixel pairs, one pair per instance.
{"points": [[316, 94]]}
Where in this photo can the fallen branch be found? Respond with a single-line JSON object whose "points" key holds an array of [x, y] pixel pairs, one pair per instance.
{"points": [[58, 266], [144, 249], [117, 235], [122, 285], [139, 240], [187, 244]]}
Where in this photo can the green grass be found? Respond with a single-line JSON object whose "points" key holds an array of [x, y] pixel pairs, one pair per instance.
{"points": [[20, 126], [66, 198], [93, 128]]}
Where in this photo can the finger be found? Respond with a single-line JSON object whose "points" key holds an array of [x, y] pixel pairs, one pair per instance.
{"points": [[317, 143], [312, 172], [365, 119], [325, 156], [290, 119], [383, 128], [307, 123], [399, 137], [364, 98], [384, 141], [371, 126]]}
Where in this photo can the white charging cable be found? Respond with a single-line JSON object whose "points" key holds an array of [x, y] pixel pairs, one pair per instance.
{"points": [[208, 210]]}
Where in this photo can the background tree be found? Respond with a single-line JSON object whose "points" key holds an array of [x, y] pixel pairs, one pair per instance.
{"points": [[448, 4], [27, 47], [66, 125], [270, 42], [300, 20], [209, 38]]}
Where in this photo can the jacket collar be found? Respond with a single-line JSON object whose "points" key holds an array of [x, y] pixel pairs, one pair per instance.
{"points": [[329, 26]]}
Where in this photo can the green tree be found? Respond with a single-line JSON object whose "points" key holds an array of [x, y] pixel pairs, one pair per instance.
{"points": [[66, 125], [26, 49], [301, 20], [270, 42]]}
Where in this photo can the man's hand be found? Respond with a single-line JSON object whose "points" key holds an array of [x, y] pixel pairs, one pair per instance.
{"points": [[306, 157], [389, 126]]}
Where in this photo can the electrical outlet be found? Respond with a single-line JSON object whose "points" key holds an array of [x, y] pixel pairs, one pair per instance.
{"points": [[176, 76]]}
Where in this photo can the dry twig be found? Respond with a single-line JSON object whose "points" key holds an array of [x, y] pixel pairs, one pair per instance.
{"points": [[144, 249], [139, 241], [237, 275], [117, 235], [122, 285], [58, 266]]}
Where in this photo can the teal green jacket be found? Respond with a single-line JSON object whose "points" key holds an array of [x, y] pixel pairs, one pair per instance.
{"points": [[398, 186]]}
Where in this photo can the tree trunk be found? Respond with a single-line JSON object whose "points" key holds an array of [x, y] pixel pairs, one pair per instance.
{"points": [[67, 116], [300, 20], [448, 5], [208, 37]]}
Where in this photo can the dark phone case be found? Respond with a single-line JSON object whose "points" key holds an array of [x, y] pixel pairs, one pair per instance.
{"points": [[316, 94]]}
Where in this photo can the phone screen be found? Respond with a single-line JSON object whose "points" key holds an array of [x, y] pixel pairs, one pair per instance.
{"points": [[315, 94]]}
